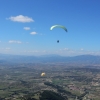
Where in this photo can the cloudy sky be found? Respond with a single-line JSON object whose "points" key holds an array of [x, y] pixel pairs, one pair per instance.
{"points": [[25, 27]]}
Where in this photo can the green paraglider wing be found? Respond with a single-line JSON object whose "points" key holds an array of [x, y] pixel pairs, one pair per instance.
{"points": [[59, 26]]}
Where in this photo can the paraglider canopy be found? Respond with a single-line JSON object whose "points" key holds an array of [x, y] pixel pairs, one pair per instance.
{"points": [[42, 74], [58, 26]]}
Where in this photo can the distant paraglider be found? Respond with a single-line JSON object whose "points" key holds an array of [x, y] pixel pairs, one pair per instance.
{"points": [[58, 26], [42, 74]]}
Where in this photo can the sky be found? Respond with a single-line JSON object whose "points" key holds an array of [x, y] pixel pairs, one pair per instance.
{"points": [[25, 27]]}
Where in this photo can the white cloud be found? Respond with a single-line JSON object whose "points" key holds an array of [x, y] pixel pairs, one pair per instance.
{"points": [[26, 28], [13, 41], [66, 49], [21, 18], [33, 33], [34, 51]]}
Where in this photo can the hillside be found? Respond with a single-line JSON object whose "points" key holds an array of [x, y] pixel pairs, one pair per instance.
{"points": [[44, 95]]}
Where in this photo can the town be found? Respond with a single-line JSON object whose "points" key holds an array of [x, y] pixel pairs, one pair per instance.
{"points": [[71, 82]]}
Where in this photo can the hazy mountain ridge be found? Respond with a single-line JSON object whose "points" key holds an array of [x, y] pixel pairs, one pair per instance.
{"points": [[92, 59]]}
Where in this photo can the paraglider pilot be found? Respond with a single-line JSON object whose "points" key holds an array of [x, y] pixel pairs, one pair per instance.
{"points": [[57, 41]]}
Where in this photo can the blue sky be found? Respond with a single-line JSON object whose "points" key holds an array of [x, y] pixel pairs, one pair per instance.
{"points": [[25, 27]]}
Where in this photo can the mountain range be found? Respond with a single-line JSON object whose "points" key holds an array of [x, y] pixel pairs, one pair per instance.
{"points": [[81, 59]]}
